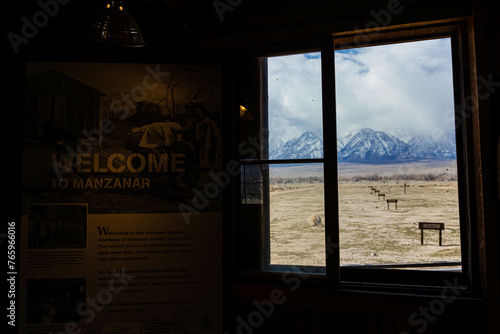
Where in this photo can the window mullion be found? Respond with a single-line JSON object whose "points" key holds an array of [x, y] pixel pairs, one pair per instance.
{"points": [[264, 99], [330, 162]]}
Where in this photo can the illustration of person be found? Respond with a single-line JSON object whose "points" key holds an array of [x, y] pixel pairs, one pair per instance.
{"points": [[208, 143]]}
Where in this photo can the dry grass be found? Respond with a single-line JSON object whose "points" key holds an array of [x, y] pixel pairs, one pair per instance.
{"points": [[369, 232]]}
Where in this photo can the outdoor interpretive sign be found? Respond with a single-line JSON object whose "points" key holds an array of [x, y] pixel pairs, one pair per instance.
{"points": [[431, 226]]}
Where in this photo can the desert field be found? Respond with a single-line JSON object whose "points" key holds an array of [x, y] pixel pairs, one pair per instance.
{"points": [[370, 232]]}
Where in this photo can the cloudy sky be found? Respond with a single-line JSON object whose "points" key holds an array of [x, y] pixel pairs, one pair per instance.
{"points": [[403, 86]]}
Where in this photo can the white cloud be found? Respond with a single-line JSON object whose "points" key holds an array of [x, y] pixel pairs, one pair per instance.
{"points": [[404, 86], [294, 95]]}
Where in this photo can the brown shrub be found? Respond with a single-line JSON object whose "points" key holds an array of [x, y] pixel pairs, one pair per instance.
{"points": [[315, 220]]}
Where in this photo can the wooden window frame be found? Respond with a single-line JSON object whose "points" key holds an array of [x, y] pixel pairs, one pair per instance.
{"points": [[371, 278]]}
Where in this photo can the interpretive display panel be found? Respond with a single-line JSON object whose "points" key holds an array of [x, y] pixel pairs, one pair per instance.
{"points": [[118, 233]]}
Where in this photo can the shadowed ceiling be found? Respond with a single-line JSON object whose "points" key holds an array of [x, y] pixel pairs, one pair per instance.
{"points": [[183, 20]]}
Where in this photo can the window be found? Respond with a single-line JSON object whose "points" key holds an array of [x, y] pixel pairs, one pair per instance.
{"points": [[362, 169], [397, 156]]}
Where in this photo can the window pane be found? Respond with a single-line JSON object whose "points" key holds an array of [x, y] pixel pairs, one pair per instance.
{"points": [[396, 142], [295, 107], [297, 215], [252, 186]]}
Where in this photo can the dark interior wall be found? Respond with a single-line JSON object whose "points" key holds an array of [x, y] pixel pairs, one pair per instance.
{"points": [[197, 34], [489, 64]]}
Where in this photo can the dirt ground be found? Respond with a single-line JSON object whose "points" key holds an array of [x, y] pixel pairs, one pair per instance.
{"points": [[370, 233]]}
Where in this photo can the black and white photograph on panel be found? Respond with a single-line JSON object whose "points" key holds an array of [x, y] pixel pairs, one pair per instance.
{"points": [[55, 300], [124, 138], [57, 226]]}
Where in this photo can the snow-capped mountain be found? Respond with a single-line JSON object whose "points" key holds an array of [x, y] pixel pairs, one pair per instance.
{"points": [[342, 140], [370, 146], [434, 146], [308, 146], [275, 147]]}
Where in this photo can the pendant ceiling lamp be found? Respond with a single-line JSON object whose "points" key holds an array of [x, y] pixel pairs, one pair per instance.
{"points": [[113, 25]]}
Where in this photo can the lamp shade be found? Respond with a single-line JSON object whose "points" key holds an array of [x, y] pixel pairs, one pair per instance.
{"points": [[245, 114], [112, 24]]}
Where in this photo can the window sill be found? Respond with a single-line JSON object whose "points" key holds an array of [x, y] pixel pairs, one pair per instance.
{"points": [[350, 298], [374, 281]]}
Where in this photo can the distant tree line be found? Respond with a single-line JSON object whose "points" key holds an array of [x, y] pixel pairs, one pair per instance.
{"points": [[297, 179], [372, 177], [402, 177]]}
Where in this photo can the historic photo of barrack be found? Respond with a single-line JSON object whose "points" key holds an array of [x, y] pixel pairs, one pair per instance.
{"points": [[124, 138]]}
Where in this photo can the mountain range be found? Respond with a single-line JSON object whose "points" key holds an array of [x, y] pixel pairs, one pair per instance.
{"points": [[369, 146]]}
